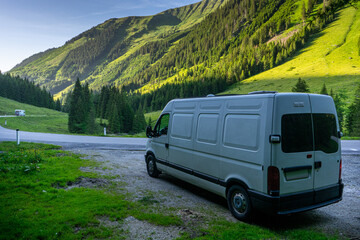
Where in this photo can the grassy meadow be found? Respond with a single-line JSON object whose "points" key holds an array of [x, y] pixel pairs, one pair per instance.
{"points": [[330, 57], [36, 120], [37, 203]]}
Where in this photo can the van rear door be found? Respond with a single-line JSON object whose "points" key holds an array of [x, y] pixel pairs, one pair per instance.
{"points": [[294, 155], [327, 155]]}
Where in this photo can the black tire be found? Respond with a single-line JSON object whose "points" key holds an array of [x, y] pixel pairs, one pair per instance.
{"points": [[239, 202], [151, 166]]}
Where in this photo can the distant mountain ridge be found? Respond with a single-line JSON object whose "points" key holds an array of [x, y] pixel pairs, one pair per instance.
{"points": [[194, 50], [100, 54]]}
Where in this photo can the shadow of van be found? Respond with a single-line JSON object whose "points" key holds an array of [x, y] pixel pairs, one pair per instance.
{"points": [[273, 222]]}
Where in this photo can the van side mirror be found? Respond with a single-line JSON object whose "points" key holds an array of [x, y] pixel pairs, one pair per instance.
{"points": [[340, 134], [149, 132]]}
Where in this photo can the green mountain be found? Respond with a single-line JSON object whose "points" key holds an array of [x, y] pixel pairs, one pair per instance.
{"points": [[114, 51], [207, 46]]}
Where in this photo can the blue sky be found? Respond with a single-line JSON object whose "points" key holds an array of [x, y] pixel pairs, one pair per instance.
{"points": [[31, 26]]}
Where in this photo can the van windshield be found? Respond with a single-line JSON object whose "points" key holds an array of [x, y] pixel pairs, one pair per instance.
{"points": [[296, 132]]}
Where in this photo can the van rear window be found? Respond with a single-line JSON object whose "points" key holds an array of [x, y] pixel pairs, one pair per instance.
{"points": [[296, 132], [326, 137]]}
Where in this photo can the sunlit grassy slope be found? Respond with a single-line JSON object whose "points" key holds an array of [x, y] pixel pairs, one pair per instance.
{"points": [[36, 120], [330, 57]]}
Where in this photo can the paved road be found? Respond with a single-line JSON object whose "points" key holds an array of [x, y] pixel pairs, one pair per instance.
{"points": [[350, 147], [75, 141]]}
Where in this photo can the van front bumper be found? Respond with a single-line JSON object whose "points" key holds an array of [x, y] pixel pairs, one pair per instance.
{"points": [[299, 202]]}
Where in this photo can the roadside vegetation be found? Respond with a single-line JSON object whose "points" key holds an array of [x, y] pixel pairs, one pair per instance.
{"points": [[111, 106], [37, 119], [42, 198], [25, 91]]}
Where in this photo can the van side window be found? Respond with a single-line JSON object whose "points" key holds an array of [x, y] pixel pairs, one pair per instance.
{"points": [[161, 127], [325, 131], [296, 132]]}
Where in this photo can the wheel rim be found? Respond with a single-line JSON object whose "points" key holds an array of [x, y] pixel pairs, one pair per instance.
{"points": [[151, 165], [239, 202]]}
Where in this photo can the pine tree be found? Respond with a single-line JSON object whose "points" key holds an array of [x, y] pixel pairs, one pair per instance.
{"points": [[114, 119], [81, 110], [303, 12], [89, 114], [301, 86], [340, 102], [139, 123], [76, 122], [58, 105], [310, 6], [353, 117], [324, 90]]}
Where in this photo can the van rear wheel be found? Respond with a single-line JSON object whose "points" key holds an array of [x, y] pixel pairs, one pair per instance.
{"points": [[151, 166], [239, 202]]}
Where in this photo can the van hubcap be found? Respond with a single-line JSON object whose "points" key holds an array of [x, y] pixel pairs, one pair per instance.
{"points": [[239, 202], [151, 166]]}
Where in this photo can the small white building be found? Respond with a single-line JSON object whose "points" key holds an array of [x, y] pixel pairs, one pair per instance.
{"points": [[19, 112]]}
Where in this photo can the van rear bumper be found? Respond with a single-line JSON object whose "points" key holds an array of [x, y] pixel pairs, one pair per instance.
{"points": [[299, 202]]}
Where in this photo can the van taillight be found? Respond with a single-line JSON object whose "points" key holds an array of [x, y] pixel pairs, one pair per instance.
{"points": [[273, 181], [340, 169]]}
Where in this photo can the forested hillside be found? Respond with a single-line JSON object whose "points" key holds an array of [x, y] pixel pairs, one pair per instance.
{"points": [[115, 51], [199, 49], [24, 91]]}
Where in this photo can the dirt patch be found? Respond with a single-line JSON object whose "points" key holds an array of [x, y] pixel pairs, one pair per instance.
{"points": [[88, 183], [84, 182], [143, 230]]}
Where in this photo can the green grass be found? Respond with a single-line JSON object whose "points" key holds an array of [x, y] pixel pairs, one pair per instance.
{"points": [[35, 204], [330, 57], [36, 120], [153, 116], [233, 231], [350, 138], [47, 124]]}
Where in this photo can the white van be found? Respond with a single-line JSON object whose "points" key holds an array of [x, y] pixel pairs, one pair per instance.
{"points": [[276, 152], [19, 112]]}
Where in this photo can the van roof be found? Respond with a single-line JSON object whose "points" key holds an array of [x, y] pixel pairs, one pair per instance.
{"points": [[256, 94]]}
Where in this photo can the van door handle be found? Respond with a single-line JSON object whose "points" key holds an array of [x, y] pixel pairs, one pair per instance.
{"points": [[166, 145], [317, 165]]}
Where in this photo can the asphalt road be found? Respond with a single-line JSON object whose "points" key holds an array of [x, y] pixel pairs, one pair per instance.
{"points": [[75, 141], [348, 147]]}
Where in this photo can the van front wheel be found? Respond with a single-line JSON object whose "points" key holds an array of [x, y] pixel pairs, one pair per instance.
{"points": [[151, 166], [239, 202]]}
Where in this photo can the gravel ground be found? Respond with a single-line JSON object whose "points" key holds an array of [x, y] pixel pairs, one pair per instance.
{"points": [[193, 204]]}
